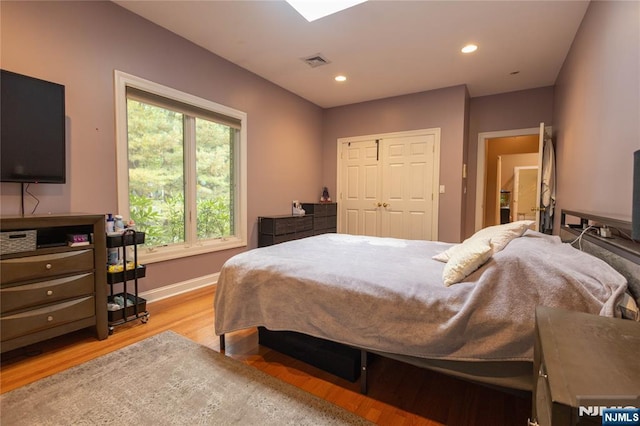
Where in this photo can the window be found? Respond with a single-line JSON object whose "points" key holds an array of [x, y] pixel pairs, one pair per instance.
{"points": [[181, 169]]}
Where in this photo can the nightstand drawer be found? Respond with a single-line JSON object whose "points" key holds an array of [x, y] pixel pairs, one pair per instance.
{"points": [[19, 324], [582, 362], [542, 403], [44, 266], [46, 292]]}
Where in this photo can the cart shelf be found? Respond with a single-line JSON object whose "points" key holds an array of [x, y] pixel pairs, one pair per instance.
{"points": [[126, 279]]}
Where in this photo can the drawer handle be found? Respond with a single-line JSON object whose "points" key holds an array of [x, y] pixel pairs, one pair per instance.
{"points": [[49, 318], [48, 266], [49, 292]]}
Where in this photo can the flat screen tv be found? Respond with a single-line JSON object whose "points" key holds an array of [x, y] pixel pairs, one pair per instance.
{"points": [[32, 139]]}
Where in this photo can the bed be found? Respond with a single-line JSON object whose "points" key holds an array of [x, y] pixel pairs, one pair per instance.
{"points": [[388, 296]]}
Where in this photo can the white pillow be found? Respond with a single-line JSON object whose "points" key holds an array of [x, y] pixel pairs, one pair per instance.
{"points": [[467, 258], [499, 236]]}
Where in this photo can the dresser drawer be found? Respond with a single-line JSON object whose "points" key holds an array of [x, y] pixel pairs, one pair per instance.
{"points": [[285, 224], [20, 324], [324, 223], [45, 292], [320, 209], [43, 266]]}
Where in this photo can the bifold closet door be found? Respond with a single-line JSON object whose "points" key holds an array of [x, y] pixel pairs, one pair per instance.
{"points": [[407, 187], [387, 187], [361, 188]]}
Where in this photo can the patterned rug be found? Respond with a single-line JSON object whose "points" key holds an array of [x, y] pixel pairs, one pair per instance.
{"points": [[166, 380]]}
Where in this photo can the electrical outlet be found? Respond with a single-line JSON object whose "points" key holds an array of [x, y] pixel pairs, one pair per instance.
{"points": [[605, 232]]}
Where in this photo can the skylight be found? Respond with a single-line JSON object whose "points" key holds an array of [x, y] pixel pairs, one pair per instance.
{"points": [[316, 9]]}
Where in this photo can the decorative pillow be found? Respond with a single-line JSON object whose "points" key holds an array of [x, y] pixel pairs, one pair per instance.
{"points": [[627, 307], [499, 236], [466, 259]]}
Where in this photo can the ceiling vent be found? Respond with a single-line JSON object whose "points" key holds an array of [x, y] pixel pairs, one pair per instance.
{"points": [[316, 60]]}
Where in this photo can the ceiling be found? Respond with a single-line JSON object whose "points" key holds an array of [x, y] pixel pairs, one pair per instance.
{"points": [[385, 48]]}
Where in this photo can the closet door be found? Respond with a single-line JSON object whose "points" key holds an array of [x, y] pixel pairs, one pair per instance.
{"points": [[387, 185], [408, 187], [361, 188]]}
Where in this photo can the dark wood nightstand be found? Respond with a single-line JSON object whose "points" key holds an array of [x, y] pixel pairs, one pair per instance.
{"points": [[583, 362]]}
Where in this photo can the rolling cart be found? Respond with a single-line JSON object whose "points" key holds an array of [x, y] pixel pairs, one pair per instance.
{"points": [[133, 307]]}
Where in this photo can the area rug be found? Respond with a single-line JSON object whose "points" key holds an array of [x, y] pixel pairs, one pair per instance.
{"points": [[166, 380]]}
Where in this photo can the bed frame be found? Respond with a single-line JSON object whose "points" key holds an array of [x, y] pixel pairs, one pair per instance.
{"points": [[618, 251]]}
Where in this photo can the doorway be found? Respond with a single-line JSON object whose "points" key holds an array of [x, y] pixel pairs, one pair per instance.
{"points": [[487, 191], [503, 155]]}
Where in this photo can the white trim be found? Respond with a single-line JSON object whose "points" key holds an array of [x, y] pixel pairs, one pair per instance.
{"points": [[481, 164], [121, 81], [436, 169], [179, 288], [435, 205]]}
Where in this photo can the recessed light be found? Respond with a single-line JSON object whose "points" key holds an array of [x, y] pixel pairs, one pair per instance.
{"points": [[340, 78], [469, 48]]}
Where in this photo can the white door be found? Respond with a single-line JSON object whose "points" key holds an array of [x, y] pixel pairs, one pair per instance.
{"points": [[360, 192], [498, 189], [408, 187], [525, 193], [388, 184], [537, 208]]}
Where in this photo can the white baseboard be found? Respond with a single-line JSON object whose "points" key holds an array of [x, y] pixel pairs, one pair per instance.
{"points": [[179, 288]]}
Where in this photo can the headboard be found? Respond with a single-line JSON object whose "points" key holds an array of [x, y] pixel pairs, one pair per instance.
{"points": [[618, 250]]}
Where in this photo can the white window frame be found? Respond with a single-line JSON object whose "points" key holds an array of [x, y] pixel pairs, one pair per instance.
{"points": [[157, 254]]}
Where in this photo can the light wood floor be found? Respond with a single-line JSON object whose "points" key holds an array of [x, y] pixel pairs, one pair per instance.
{"points": [[399, 394]]}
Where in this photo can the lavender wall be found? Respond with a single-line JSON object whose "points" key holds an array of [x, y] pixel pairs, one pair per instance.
{"points": [[597, 111], [594, 109], [443, 108], [79, 44], [507, 111]]}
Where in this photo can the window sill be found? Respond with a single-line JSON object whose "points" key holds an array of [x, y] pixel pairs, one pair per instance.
{"points": [[160, 254]]}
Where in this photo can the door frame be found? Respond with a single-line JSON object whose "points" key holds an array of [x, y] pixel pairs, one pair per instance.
{"points": [[436, 169], [481, 164]]}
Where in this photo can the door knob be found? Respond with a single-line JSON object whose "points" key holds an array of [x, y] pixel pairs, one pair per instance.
{"points": [[379, 204], [386, 205]]}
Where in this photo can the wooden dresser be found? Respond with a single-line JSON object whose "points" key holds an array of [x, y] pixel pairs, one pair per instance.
{"points": [[278, 229], [319, 218], [48, 288], [325, 216]]}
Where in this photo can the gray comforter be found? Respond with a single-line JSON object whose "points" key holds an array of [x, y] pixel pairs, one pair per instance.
{"points": [[387, 294]]}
